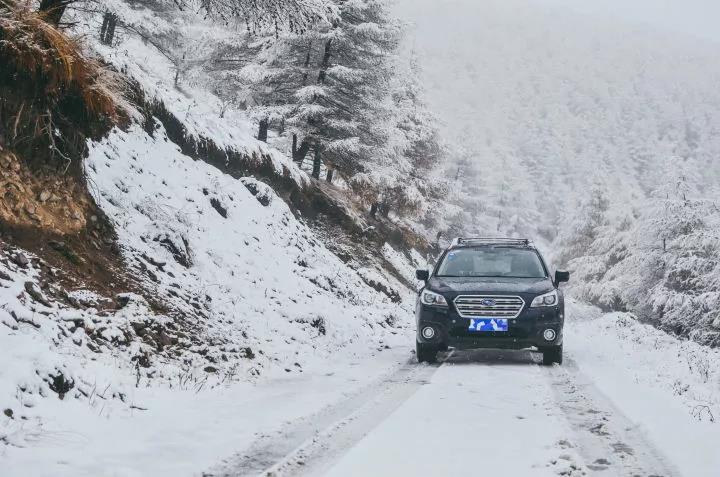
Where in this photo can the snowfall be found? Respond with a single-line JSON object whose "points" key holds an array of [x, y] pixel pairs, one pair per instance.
{"points": [[313, 370]]}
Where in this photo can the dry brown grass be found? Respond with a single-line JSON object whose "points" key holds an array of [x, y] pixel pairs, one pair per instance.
{"points": [[55, 64]]}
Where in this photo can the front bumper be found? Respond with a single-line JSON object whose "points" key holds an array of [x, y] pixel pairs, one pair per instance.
{"points": [[525, 331]]}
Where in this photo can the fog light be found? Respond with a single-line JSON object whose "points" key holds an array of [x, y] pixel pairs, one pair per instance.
{"points": [[428, 332], [549, 334]]}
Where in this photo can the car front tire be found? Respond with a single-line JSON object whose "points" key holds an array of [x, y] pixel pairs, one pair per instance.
{"points": [[552, 355], [426, 353]]}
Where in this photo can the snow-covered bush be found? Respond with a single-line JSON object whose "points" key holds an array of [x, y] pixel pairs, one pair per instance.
{"points": [[663, 264]]}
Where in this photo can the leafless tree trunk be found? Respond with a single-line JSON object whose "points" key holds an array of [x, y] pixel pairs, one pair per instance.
{"points": [[301, 152], [325, 62], [329, 176], [316, 162], [263, 130], [307, 62], [107, 31]]}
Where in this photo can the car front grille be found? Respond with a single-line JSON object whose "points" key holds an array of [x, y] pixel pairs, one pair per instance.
{"points": [[489, 306]]}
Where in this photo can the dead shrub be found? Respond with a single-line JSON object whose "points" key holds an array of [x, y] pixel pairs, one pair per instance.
{"points": [[54, 96]]}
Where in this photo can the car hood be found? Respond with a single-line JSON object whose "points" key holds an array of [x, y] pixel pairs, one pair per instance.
{"points": [[490, 285]]}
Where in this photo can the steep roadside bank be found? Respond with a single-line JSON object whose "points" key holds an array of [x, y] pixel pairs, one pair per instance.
{"points": [[147, 264]]}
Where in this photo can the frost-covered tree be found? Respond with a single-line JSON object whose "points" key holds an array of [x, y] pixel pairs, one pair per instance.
{"points": [[341, 108], [334, 83], [661, 262], [295, 16], [583, 229], [401, 175]]}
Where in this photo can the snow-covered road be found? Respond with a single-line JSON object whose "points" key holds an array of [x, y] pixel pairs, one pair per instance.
{"points": [[629, 400], [492, 410], [503, 413]]}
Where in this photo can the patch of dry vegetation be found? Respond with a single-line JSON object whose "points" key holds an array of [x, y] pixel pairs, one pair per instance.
{"points": [[53, 95]]}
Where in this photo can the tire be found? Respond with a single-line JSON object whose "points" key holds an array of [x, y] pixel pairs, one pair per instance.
{"points": [[552, 355], [426, 353]]}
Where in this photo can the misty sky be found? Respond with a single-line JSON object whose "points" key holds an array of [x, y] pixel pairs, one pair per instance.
{"points": [[695, 17]]}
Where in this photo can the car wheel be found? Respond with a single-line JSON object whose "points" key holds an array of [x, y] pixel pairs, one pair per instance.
{"points": [[552, 355], [426, 353]]}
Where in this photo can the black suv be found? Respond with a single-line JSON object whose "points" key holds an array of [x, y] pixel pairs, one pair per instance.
{"points": [[490, 293]]}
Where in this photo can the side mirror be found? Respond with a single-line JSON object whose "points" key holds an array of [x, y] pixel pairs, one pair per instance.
{"points": [[423, 275], [561, 276]]}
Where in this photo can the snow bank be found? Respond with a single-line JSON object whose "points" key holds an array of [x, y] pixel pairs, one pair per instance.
{"points": [[669, 387]]}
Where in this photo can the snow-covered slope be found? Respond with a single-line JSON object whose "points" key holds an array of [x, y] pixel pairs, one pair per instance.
{"points": [[251, 293], [238, 288], [261, 274]]}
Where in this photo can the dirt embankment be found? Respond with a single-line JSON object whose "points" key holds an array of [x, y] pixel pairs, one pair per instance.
{"points": [[53, 98], [56, 204]]}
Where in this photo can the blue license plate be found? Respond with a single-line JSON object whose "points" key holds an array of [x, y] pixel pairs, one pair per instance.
{"points": [[488, 324]]}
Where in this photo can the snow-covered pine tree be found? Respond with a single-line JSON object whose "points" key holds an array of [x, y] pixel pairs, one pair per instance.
{"points": [[295, 16], [401, 176], [262, 73], [341, 109], [580, 232]]}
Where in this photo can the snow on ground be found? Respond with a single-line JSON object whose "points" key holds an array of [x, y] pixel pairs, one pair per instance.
{"points": [[615, 408], [476, 415], [266, 280], [202, 113], [669, 388], [180, 431], [273, 308]]}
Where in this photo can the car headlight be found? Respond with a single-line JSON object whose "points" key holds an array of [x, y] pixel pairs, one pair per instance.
{"points": [[548, 299], [428, 297]]}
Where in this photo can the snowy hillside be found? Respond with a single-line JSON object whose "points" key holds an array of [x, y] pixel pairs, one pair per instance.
{"points": [[231, 269], [222, 282]]}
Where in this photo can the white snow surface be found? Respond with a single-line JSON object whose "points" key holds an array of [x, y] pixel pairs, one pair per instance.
{"points": [[259, 280], [261, 271]]}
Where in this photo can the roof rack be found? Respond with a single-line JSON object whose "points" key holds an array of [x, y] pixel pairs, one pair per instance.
{"points": [[460, 241]]}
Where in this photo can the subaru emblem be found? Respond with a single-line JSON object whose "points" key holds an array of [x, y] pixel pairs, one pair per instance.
{"points": [[488, 302]]}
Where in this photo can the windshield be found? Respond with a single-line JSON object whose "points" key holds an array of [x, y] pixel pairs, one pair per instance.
{"points": [[492, 262]]}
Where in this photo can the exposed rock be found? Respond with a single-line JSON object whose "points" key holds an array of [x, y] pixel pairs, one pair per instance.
{"points": [[35, 294], [217, 205], [60, 384], [164, 339], [262, 192], [65, 251], [210, 369], [124, 299], [154, 262], [20, 260], [181, 254], [140, 328]]}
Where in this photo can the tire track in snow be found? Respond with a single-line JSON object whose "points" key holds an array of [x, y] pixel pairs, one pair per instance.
{"points": [[312, 444], [605, 438]]}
